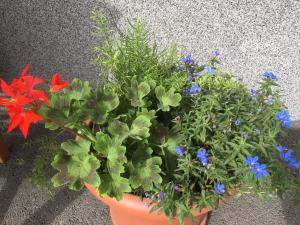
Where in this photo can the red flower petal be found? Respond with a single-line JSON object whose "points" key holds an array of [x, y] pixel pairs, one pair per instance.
{"points": [[6, 89], [3, 101], [22, 120], [55, 79], [15, 121], [19, 86], [32, 81], [25, 70], [56, 84], [39, 95], [29, 117], [21, 100]]}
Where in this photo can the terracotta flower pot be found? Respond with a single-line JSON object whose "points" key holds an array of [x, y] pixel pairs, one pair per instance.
{"points": [[132, 211], [3, 150]]}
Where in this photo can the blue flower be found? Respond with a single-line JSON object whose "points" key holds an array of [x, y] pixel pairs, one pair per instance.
{"points": [[210, 70], [180, 68], [203, 156], [217, 53], [192, 71], [177, 188], [179, 151], [194, 89], [188, 60], [280, 148], [285, 119], [294, 163], [260, 171], [237, 121], [251, 161], [220, 189], [286, 155], [252, 92], [190, 78], [270, 75], [161, 195]]}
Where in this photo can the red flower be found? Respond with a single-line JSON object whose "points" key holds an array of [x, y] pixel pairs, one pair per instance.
{"points": [[57, 84], [23, 101], [16, 98], [22, 119]]}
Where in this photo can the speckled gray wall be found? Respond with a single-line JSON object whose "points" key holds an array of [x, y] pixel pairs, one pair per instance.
{"points": [[252, 35]]}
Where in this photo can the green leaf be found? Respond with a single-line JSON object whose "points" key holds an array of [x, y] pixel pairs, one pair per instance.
{"points": [[79, 166], [73, 147], [140, 127], [146, 173], [99, 104], [137, 92], [103, 144], [118, 129], [114, 186], [116, 160], [60, 163], [59, 111], [167, 99], [61, 102], [78, 89], [109, 99], [76, 170], [149, 114], [113, 151]]}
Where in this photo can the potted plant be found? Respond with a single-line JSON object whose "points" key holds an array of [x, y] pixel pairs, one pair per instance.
{"points": [[162, 134]]}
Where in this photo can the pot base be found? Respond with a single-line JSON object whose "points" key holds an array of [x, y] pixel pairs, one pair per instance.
{"points": [[187, 222], [132, 211]]}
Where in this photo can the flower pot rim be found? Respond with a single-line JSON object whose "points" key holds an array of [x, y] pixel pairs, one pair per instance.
{"points": [[136, 203]]}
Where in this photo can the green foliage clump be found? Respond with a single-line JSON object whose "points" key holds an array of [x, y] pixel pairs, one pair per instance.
{"points": [[48, 147], [133, 55]]}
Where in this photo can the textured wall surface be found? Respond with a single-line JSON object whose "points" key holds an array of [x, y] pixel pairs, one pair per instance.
{"points": [[252, 35], [56, 35]]}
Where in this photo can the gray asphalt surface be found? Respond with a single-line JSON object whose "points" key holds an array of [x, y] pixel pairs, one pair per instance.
{"points": [[252, 35]]}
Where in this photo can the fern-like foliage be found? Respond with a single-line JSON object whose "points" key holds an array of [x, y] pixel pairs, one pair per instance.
{"points": [[134, 55]]}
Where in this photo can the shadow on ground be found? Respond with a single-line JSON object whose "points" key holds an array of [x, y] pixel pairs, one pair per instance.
{"points": [[23, 204], [17, 170]]}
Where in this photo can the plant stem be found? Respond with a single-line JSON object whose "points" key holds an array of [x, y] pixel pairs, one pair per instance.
{"points": [[165, 159], [66, 128], [71, 131]]}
